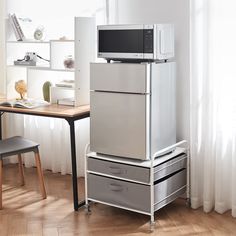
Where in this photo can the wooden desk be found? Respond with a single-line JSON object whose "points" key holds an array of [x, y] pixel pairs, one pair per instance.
{"points": [[70, 114]]}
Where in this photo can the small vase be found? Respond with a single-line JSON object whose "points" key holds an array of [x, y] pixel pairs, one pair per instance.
{"points": [[69, 62]]}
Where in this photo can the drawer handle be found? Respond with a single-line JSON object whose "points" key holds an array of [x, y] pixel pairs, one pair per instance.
{"points": [[115, 187], [115, 170]]}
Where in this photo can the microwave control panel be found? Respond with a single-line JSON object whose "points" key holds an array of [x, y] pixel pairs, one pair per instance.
{"points": [[148, 40]]}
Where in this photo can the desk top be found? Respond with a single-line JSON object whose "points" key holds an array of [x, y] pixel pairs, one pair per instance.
{"points": [[53, 110]]}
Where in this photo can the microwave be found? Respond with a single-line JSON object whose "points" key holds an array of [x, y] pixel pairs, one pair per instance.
{"points": [[136, 42]]}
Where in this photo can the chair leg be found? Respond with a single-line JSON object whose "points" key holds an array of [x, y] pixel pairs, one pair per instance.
{"points": [[40, 175], [21, 170], [1, 163]]}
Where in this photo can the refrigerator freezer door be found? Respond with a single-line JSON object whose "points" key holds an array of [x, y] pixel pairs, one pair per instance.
{"points": [[119, 124], [120, 77]]}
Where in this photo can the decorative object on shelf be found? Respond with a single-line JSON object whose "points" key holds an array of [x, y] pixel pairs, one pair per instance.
{"points": [[46, 90], [69, 62], [63, 38], [39, 33], [21, 88], [29, 59]]}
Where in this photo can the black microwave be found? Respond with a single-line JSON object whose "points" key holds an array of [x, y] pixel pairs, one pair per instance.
{"points": [[136, 42]]}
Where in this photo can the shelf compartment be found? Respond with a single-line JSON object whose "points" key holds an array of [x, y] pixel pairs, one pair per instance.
{"points": [[36, 79], [15, 52], [59, 51], [60, 93]]}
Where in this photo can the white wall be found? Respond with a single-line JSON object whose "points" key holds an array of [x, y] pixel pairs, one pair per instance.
{"points": [[57, 17], [2, 46], [167, 11]]}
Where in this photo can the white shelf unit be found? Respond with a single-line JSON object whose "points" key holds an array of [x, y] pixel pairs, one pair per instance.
{"points": [[82, 49]]}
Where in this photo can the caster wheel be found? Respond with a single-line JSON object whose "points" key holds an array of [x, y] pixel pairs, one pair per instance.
{"points": [[188, 202], [88, 210], [152, 226]]}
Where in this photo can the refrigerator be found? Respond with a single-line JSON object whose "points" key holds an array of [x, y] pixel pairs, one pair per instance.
{"points": [[132, 108]]}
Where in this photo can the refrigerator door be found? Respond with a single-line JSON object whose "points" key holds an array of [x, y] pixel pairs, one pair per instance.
{"points": [[163, 106], [120, 77], [119, 124]]}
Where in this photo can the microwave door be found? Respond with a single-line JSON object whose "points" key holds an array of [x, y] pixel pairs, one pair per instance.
{"points": [[121, 43]]}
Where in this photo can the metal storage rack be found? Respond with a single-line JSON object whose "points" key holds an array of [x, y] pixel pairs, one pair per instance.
{"points": [[140, 186]]}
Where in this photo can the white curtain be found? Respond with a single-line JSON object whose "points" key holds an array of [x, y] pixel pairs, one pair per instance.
{"points": [[54, 138], [213, 105], [112, 11]]}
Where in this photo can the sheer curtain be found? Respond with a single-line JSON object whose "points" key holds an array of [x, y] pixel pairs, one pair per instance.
{"points": [[53, 134], [213, 105]]}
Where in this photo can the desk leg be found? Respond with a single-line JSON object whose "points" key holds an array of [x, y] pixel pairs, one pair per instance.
{"points": [[77, 205]]}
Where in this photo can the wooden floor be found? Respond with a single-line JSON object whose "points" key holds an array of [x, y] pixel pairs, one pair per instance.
{"points": [[24, 213]]}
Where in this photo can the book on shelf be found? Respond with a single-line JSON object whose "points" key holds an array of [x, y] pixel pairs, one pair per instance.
{"points": [[66, 101], [66, 84], [18, 38], [16, 27], [24, 103]]}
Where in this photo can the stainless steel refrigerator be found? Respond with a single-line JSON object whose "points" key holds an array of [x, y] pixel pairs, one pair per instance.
{"points": [[133, 111]]}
